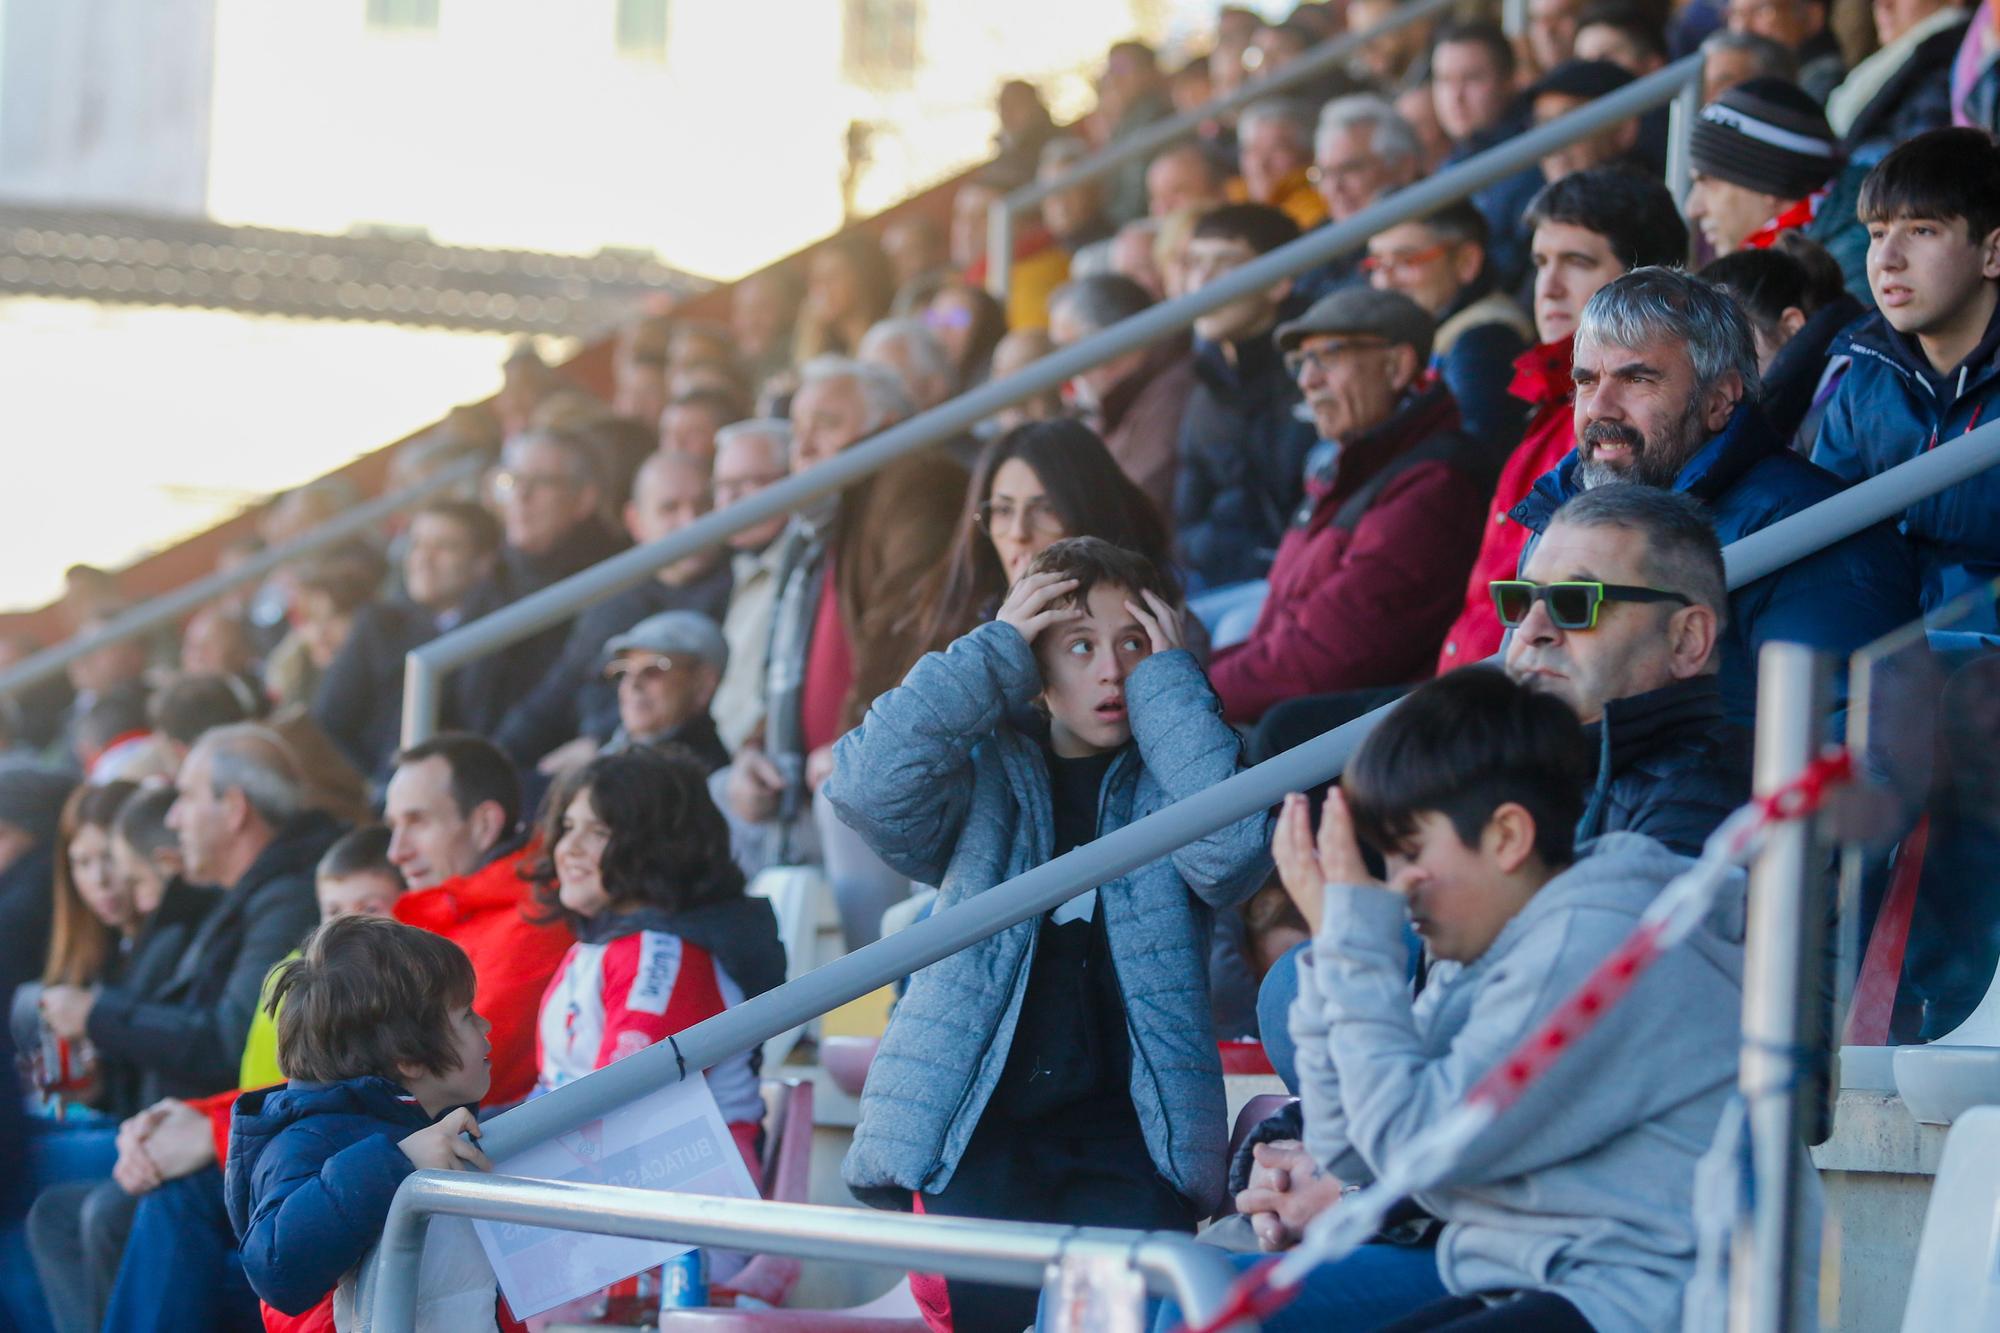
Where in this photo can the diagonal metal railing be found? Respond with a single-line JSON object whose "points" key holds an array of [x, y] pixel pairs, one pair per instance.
{"points": [[169, 607], [747, 1025], [1329, 57], [427, 666]]}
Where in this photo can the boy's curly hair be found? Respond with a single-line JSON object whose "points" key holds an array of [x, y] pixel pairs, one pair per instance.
{"points": [[1092, 560]]}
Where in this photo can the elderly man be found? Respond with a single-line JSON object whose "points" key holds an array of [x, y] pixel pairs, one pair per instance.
{"points": [[1368, 573], [240, 819], [1184, 176], [749, 455], [1274, 154], [841, 633], [666, 669], [1618, 612], [1800, 27], [1764, 162], [1666, 395], [1362, 151], [1440, 263], [572, 711], [1135, 401], [908, 348]]}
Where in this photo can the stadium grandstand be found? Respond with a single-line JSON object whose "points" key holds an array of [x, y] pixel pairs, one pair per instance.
{"points": [[1320, 667]]}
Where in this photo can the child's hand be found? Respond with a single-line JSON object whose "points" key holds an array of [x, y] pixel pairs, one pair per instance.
{"points": [[1028, 608], [1161, 622], [1307, 864], [439, 1148]]}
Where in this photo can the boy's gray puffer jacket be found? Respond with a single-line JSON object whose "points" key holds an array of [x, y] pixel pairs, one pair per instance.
{"points": [[945, 779], [1584, 1187]]}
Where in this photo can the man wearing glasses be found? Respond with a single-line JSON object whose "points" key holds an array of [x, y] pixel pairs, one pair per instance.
{"points": [[1368, 573], [1618, 612], [1666, 395], [665, 669]]}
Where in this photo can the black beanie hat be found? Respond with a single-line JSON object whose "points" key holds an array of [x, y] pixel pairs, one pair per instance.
{"points": [[1765, 135]]}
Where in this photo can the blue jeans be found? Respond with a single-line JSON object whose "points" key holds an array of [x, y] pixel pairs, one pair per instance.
{"points": [[181, 1272], [57, 1153], [1370, 1287], [1230, 612], [1274, 1002]]}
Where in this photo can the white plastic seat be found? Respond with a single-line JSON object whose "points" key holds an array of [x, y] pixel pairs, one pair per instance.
{"points": [[1957, 1279]]}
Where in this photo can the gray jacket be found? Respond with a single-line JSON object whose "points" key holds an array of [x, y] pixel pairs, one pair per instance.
{"points": [[945, 779], [1584, 1187]]}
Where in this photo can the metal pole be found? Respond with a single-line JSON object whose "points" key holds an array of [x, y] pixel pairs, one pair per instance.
{"points": [[755, 1021], [1682, 113], [1196, 1276], [564, 599], [1782, 968], [999, 250], [172, 606]]}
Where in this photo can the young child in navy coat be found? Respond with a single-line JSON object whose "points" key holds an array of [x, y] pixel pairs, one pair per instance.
{"points": [[386, 1058]]}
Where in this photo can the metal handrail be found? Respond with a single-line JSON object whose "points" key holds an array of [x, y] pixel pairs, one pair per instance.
{"points": [[168, 607], [748, 1025], [1195, 1276], [426, 666], [1144, 142]]}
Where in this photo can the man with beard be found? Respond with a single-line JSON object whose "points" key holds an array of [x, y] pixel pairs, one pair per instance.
{"points": [[1666, 395]]}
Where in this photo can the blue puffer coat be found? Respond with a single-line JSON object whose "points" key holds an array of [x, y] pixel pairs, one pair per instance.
{"points": [[1844, 596], [946, 780], [312, 1170], [1891, 406]]}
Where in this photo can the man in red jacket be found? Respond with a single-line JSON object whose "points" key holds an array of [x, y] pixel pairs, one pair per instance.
{"points": [[1588, 228], [1368, 574]]}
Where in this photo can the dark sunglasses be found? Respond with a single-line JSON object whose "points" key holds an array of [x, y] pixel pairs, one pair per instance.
{"points": [[1572, 604]]}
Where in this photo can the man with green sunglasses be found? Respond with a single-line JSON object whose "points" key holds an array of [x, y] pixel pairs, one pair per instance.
{"points": [[1619, 613]]}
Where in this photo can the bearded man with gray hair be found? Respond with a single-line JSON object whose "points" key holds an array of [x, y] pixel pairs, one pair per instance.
{"points": [[1666, 395]]}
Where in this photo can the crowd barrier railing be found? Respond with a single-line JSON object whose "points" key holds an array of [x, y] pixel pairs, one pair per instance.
{"points": [[426, 666], [748, 1025], [1195, 1276], [1328, 57], [166, 609]]}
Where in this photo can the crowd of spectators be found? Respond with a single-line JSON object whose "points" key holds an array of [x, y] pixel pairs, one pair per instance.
{"points": [[1515, 431]]}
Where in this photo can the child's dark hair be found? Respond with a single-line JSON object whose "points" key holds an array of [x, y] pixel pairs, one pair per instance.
{"points": [[363, 851], [1766, 283], [1944, 174], [368, 995], [142, 821], [669, 844], [1258, 226], [1092, 560], [1464, 745]]}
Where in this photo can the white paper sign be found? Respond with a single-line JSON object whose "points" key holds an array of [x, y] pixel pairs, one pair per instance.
{"points": [[673, 1139]]}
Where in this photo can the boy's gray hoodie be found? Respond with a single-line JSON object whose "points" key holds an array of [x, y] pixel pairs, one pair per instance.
{"points": [[945, 779], [1584, 1187]]}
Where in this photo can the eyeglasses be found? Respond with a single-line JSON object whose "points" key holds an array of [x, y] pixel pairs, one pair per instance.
{"points": [[1036, 514], [1322, 357], [1572, 604], [642, 670], [1347, 172], [527, 483], [947, 317], [1404, 260]]}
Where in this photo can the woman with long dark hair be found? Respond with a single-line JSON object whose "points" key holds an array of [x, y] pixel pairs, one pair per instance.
{"points": [[1032, 487]]}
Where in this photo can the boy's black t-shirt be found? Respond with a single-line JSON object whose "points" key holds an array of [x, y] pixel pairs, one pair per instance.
{"points": [[1071, 1051]]}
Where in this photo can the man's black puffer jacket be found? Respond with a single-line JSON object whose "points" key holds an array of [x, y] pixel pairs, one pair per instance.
{"points": [[1668, 766]]}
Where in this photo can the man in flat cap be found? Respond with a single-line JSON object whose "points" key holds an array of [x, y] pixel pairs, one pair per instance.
{"points": [[1368, 575]]}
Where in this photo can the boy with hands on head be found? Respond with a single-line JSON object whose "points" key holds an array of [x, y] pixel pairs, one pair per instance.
{"points": [[1064, 1068]]}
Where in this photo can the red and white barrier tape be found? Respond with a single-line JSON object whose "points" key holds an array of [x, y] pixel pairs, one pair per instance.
{"points": [[1681, 906]]}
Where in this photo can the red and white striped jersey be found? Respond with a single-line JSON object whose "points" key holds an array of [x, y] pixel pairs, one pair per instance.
{"points": [[611, 999]]}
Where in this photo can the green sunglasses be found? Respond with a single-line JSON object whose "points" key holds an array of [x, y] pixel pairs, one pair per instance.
{"points": [[1573, 603]]}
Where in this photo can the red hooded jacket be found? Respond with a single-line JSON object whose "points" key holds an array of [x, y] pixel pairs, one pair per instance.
{"points": [[1541, 379], [1366, 578]]}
